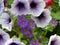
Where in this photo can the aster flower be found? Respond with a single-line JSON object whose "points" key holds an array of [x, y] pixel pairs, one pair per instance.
{"points": [[5, 20], [33, 42], [31, 23], [3, 37], [54, 40], [54, 22], [22, 22], [43, 19], [29, 34], [26, 31], [20, 7], [14, 41], [36, 7], [1, 6]]}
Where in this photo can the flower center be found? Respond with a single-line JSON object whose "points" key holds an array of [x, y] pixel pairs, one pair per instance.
{"points": [[24, 29], [34, 43], [30, 23], [20, 5], [53, 21], [29, 33], [13, 43], [1, 37], [23, 22], [53, 42], [42, 16], [33, 5], [9, 20]]}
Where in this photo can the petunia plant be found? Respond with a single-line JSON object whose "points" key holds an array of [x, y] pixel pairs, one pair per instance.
{"points": [[29, 22]]}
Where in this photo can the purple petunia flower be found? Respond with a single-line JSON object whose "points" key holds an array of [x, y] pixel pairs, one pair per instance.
{"points": [[14, 41], [36, 7], [5, 21], [20, 7], [54, 40], [3, 37], [43, 19], [54, 22], [31, 23], [33, 42], [22, 22]]}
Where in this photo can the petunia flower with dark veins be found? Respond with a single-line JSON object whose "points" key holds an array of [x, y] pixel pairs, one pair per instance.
{"points": [[3, 37], [14, 41], [36, 7], [54, 40], [43, 19], [6, 21], [20, 7]]}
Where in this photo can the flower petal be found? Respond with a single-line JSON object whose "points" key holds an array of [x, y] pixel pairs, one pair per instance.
{"points": [[42, 21]]}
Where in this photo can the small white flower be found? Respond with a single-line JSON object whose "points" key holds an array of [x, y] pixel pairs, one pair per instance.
{"points": [[1, 6], [43, 19], [6, 21], [14, 41], [36, 7], [54, 40], [19, 7], [3, 37]]}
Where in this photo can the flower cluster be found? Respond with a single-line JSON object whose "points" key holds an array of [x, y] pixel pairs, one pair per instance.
{"points": [[27, 22], [25, 25]]}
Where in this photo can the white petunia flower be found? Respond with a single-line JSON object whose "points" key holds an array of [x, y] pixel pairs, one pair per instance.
{"points": [[19, 7], [3, 37], [1, 6], [36, 7], [14, 41], [54, 40], [6, 21], [43, 19]]}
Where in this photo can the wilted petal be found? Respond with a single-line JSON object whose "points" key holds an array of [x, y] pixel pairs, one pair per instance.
{"points": [[43, 19]]}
